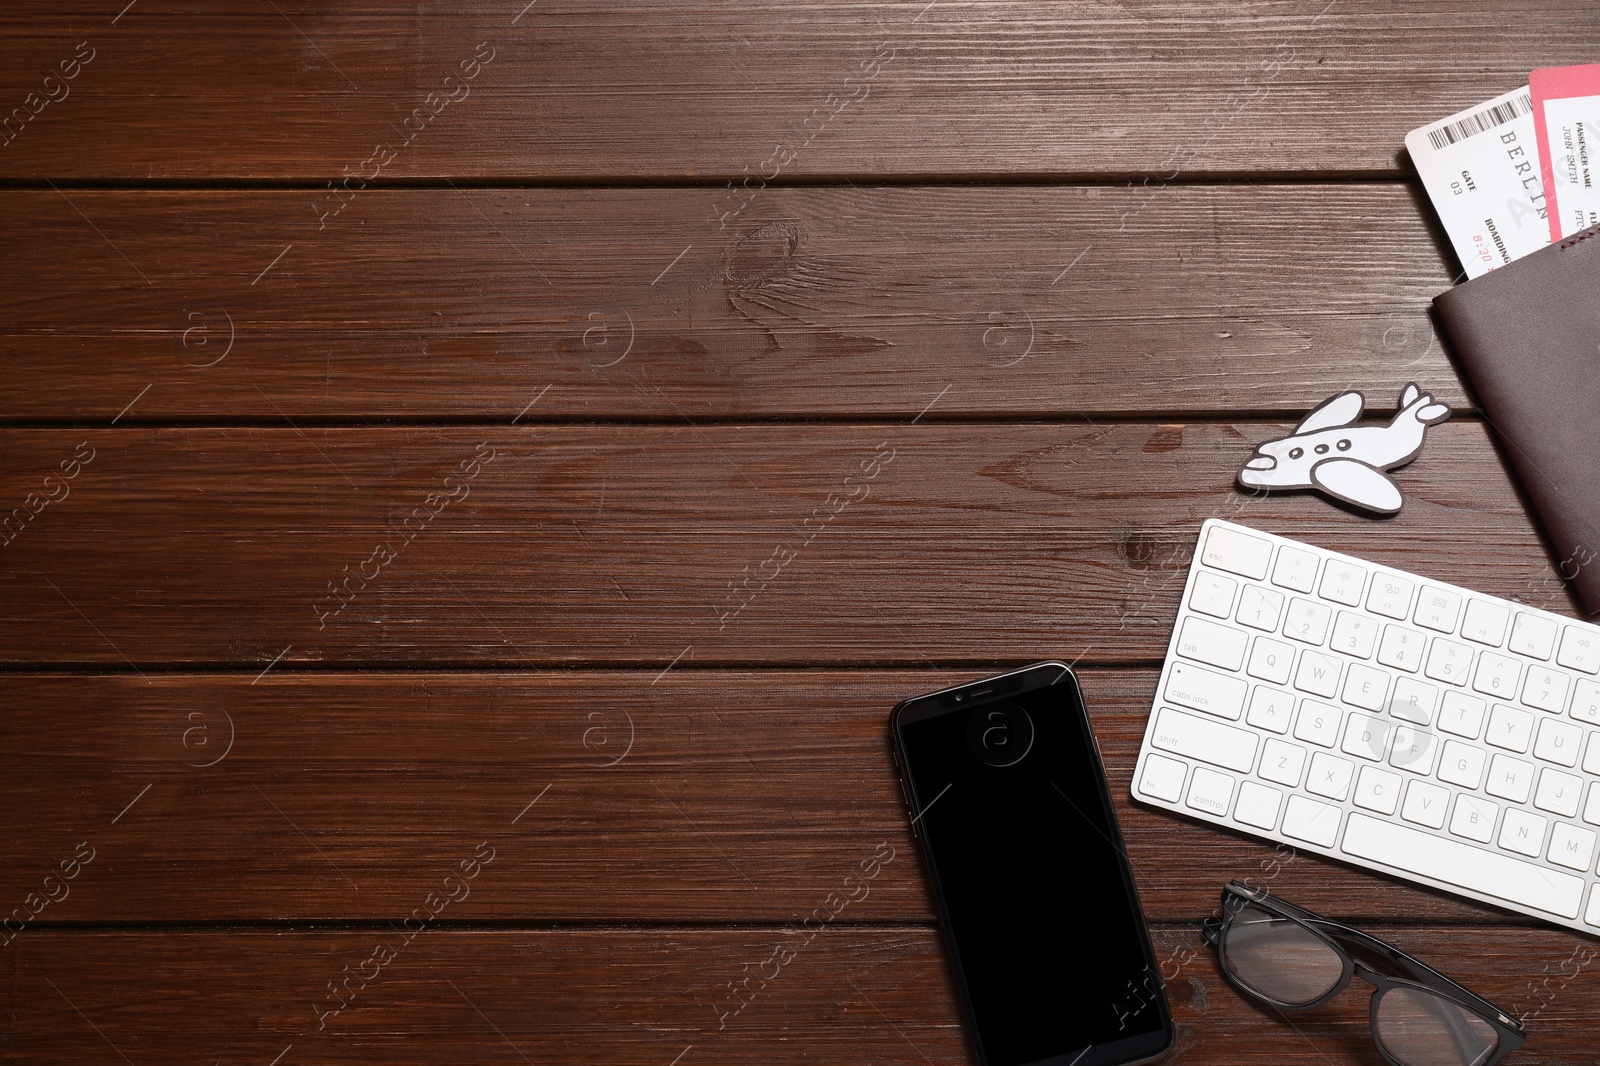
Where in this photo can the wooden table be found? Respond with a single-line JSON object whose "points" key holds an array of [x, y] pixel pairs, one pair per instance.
{"points": [[519, 454]]}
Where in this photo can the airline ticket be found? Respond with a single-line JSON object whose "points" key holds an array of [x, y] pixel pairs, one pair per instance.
{"points": [[1566, 102], [1481, 169]]}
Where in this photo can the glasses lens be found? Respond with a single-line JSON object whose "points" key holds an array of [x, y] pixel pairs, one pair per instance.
{"points": [[1420, 1029], [1278, 958]]}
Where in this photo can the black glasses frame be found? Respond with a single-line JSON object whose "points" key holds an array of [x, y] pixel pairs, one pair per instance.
{"points": [[1336, 935]]}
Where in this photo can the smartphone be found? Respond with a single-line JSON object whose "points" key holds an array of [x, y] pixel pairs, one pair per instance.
{"points": [[1036, 900]]}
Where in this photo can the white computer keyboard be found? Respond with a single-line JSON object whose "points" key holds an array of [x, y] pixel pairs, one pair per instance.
{"points": [[1402, 724]]}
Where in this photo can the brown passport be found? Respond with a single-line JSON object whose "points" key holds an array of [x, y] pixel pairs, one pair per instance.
{"points": [[1528, 336]]}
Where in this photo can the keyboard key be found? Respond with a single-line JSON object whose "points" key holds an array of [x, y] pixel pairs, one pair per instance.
{"points": [[1354, 634], [1307, 621], [1586, 701], [1162, 778], [1205, 739], [1462, 764], [1558, 742], [1366, 687], [1522, 832], [1591, 757], [1580, 650], [1296, 569], [1592, 915], [1401, 648], [1497, 675], [1366, 736], [1210, 791], [1377, 790], [1474, 818], [1438, 609], [1317, 674], [1509, 778], [1510, 728], [1309, 820], [1282, 762], [1414, 750], [1236, 552], [1342, 582], [1463, 865], [1462, 715], [1485, 622], [1571, 846], [1591, 808], [1208, 642], [1448, 661], [1203, 690], [1390, 596], [1413, 701], [1270, 709], [1425, 804], [1318, 723], [1546, 689], [1330, 776], [1212, 594], [1558, 793], [1271, 660], [1533, 635], [1260, 608], [1258, 805]]}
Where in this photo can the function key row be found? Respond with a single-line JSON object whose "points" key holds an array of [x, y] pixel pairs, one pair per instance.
{"points": [[1482, 621]]}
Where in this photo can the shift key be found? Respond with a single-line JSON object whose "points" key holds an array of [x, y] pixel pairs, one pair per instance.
{"points": [[1204, 739], [1206, 690]]}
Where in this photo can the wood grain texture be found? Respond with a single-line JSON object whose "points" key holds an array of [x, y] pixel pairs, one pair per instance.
{"points": [[644, 996], [639, 544], [716, 90], [837, 301], [705, 796]]}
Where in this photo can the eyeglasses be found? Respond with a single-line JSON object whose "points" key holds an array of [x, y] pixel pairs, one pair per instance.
{"points": [[1293, 959]]}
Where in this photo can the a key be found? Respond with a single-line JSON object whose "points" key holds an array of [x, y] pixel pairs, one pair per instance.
{"points": [[1462, 715], [1558, 742], [1307, 621], [1413, 701], [1342, 582], [1270, 660], [1425, 804], [1210, 791], [1510, 728], [1580, 650], [1546, 689], [1237, 553], [1212, 594], [1401, 648], [1448, 661], [1205, 739], [1438, 609], [1311, 821], [1270, 709], [1282, 762], [1497, 675], [1462, 764], [1586, 701], [1485, 622], [1509, 778], [1558, 793], [1206, 690], [1317, 674], [1414, 750], [1208, 642], [1257, 805], [1390, 595], [1317, 723], [1522, 832], [1571, 846], [1367, 737], [1295, 569], [1354, 634], [1474, 818], [1260, 608], [1533, 635], [1377, 790], [1162, 778]]}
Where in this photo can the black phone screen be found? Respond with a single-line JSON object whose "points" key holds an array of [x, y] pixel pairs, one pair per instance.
{"points": [[1038, 902]]}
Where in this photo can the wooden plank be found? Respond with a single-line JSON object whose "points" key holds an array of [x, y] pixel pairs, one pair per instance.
{"points": [[645, 996], [470, 303], [723, 91], [640, 544], [701, 796]]}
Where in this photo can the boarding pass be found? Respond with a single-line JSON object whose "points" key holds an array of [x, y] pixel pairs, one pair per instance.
{"points": [[1481, 169]]}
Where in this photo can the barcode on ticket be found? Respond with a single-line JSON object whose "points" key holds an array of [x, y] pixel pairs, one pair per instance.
{"points": [[1479, 121]]}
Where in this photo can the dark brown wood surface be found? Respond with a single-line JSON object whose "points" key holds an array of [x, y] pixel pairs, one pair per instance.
{"points": [[538, 393]]}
